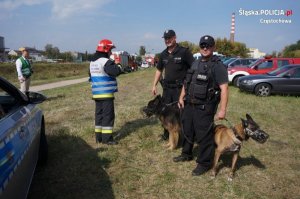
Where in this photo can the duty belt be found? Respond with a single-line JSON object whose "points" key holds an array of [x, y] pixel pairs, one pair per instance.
{"points": [[172, 84], [200, 106]]}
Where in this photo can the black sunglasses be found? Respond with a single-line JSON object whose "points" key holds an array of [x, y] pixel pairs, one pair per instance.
{"points": [[205, 45]]}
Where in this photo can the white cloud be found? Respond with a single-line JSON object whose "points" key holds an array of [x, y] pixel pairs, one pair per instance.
{"points": [[67, 8], [13, 4], [150, 36], [279, 38], [61, 9]]}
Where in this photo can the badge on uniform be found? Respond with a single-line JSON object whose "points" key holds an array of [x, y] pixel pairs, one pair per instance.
{"points": [[202, 77], [177, 60]]}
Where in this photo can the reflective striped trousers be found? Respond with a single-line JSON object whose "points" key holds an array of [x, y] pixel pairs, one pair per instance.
{"points": [[104, 119]]}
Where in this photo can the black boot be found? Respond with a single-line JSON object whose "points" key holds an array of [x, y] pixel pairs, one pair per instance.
{"points": [[182, 158], [199, 170], [111, 141], [98, 137]]}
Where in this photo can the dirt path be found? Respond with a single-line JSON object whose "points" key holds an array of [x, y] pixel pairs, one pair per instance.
{"points": [[58, 84]]}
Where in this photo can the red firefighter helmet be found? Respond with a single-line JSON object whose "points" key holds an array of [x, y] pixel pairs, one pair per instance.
{"points": [[105, 45]]}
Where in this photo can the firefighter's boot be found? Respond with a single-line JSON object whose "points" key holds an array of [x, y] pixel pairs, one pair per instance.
{"points": [[98, 137]]}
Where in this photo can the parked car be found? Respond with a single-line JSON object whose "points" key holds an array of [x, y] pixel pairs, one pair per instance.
{"points": [[261, 66], [228, 60], [22, 139], [145, 64], [284, 80], [240, 62]]}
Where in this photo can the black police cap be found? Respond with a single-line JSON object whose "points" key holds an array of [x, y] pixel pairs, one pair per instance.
{"points": [[169, 34], [207, 39]]}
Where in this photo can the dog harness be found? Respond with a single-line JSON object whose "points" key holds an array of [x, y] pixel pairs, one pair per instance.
{"points": [[235, 147]]}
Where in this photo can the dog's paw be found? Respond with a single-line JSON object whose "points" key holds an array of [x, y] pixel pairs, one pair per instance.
{"points": [[171, 147], [213, 175], [230, 178]]}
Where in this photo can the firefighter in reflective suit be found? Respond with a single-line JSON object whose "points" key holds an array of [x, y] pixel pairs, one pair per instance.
{"points": [[103, 73]]}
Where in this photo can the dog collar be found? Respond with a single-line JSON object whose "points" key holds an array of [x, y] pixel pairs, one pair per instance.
{"points": [[236, 134]]}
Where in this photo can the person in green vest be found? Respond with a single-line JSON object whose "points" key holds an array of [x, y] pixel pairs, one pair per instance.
{"points": [[24, 70]]}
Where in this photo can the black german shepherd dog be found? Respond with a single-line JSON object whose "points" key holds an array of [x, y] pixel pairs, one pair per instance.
{"points": [[169, 115]]}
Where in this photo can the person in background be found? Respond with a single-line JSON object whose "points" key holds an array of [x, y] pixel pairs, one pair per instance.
{"points": [[24, 70]]}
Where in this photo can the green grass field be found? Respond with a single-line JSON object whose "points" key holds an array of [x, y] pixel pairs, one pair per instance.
{"points": [[46, 72], [140, 167]]}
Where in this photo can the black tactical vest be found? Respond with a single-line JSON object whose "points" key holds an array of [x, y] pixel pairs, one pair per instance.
{"points": [[200, 85]]}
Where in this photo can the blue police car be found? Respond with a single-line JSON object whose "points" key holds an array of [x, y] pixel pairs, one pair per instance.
{"points": [[23, 142]]}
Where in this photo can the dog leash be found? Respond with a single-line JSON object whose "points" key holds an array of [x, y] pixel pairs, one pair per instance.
{"points": [[172, 103], [166, 105], [230, 125], [182, 130]]}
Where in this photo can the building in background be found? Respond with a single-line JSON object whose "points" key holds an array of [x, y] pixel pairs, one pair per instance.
{"points": [[255, 53], [77, 56], [35, 55], [3, 55], [150, 59]]}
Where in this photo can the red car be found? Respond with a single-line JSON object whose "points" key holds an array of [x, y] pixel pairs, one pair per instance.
{"points": [[261, 66]]}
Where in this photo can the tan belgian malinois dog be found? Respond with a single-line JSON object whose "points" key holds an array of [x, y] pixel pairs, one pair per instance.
{"points": [[230, 140]]}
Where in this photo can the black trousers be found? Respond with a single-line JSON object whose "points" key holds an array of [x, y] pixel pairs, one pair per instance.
{"points": [[198, 122], [104, 119], [170, 95]]}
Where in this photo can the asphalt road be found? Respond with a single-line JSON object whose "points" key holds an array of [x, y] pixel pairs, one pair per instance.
{"points": [[58, 84]]}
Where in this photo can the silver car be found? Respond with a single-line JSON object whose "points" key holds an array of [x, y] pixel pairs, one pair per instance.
{"points": [[22, 139]]}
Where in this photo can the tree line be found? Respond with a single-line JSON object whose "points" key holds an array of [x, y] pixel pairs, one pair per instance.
{"points": [[292, 50], [53, 52], [223, 46]]}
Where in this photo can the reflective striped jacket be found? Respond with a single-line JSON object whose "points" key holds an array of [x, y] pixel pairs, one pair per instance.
{"points": [[103, 85]]}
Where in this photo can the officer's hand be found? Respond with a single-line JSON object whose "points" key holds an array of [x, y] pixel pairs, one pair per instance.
{"points": [[154, 90], [180, 104], [121, 68], [220, 115]]}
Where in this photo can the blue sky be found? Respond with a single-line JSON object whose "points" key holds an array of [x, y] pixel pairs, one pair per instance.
{"points": [[78, 25]]}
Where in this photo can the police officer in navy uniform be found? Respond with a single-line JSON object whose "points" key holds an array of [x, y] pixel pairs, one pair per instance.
{"points": [[174, 61], [103, 73], [205, 87]]}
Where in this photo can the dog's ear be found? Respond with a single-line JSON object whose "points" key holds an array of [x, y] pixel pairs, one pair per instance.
{"points": [[244, 122], [249, 118]]}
